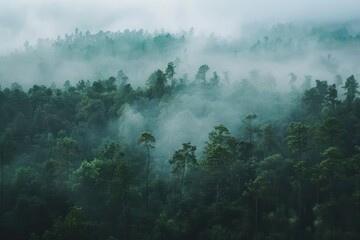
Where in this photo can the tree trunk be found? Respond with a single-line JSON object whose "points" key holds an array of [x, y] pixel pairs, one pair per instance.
{"points": [[276, 198], [2, 188], [256, 218], [299, 206], [331, 188], [2, 183], [181, 198], [147, 181], [300, 150], [317, 192], [217, 198], [125, 214], [276, 188]]}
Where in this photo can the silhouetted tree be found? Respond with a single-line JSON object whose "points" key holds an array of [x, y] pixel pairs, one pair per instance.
{"points": [[351, 87], [148, 140], [201, 73], [218, 155], [170, 72], [7, 154], [183, 159]]}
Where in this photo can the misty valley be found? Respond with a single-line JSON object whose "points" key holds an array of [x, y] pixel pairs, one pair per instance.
{"points": [[138, 135]]}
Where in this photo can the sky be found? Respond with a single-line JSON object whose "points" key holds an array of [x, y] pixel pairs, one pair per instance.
{"points": [[24, 20]]}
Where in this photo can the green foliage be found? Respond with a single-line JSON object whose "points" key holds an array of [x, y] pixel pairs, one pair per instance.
{"points": [[66, 146], [170, 72], [331, 169], [330, 132], [7, 151], [218, 152], [91, 111], [269, 143], [315, 98], [89, 172], [18, 129], [111, 152], [73, 226], [297, 177], [250, 129], [157, 84], [183, 157], [164, 228], [331, 97], [25, 180], [67, 149], [351, 87], [297, 138], [147, 139]]}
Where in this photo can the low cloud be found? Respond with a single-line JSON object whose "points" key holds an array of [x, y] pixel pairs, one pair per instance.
{"points": [[29, 20]]}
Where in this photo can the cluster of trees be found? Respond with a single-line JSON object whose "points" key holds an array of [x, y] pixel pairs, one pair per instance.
{"points": [[65, 174], [85, 55]]}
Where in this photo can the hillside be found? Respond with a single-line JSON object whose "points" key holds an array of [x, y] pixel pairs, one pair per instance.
{"points": [[137, 135]]}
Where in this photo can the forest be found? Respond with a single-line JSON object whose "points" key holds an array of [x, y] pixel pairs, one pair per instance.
{"points": [[199, 152]]}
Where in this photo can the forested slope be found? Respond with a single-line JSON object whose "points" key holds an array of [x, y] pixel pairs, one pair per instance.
{"points": [[181, 156]]}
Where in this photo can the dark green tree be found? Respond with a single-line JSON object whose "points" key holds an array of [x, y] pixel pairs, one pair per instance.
{"points": [[267, 190], [148, 140], [351, 87], [67, 150], [88, 173], [181, 160], [330, 132], [331, 168], [331, 97], [7, 154], [170, 72], [250, 129], [120, 191], [91, 111], [255, 189], [314, 98], [297, 138], [74, 225], [157, 84], [218, 156], [83, 86], [112, 153], [269, 142], [301, 169]]}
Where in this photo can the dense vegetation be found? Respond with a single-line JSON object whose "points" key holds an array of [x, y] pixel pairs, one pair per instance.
{"points": [[95, 159], [93, 56], [66, 174]]}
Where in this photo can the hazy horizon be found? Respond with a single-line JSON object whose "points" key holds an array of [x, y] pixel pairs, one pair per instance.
{"points": [[22, 21]]}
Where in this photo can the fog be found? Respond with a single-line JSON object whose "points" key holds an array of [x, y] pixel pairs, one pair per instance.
{"points": [[321, 50], [22, 20], [169, 119]]}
